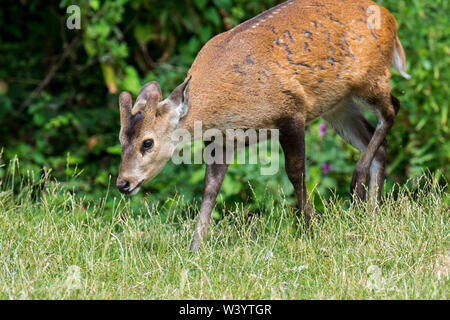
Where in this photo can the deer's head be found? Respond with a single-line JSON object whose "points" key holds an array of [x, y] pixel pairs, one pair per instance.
{"points": [[146, 133]]}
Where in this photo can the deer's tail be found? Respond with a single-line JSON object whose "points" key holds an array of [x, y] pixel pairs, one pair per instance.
{"points": [[399, 60]]}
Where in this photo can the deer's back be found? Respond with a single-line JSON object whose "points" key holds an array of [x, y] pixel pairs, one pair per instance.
{"points": [[300, 56]]}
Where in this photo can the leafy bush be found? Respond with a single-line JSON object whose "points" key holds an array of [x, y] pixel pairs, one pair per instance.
{"points": [[59, 90]]}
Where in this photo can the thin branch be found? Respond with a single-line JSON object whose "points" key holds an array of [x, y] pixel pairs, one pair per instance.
{"points": [[50, 74], [24, 80]]}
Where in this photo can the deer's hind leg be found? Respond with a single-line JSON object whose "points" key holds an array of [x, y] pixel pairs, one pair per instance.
{"points": [[349, 122], [384, 106]]}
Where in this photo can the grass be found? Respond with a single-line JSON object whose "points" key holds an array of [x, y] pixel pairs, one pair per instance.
{"points": [[55, 245]]}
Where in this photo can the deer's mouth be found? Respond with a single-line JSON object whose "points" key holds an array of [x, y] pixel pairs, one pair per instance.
{"points": [[135, 190]]}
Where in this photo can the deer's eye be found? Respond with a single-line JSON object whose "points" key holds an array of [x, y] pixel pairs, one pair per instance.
{"points": [[148, 144]]}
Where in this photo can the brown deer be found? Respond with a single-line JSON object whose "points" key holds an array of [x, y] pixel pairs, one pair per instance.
{"points": [[286, 67]]}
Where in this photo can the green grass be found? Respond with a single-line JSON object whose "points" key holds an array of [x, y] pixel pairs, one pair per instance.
{"points": [[55, 245]]}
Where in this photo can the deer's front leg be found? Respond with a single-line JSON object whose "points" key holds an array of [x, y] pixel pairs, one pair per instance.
{"points": [[214, 175]]}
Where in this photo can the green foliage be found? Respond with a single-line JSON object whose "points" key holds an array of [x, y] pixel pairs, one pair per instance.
{"points": [[59, 91], [422, 126]]}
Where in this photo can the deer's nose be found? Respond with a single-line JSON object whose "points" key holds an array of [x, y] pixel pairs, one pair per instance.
{"points": [[123, 186]]}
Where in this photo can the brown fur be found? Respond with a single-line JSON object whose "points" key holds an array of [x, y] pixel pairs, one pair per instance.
{"points": [[282, 69], [318, 51]]}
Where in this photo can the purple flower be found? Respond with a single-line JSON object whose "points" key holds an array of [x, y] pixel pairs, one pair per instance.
{"points": [[326, 168], [322, 128]]}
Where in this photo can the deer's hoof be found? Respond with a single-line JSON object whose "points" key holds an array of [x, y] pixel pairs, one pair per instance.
{"points": [[196, 245]]}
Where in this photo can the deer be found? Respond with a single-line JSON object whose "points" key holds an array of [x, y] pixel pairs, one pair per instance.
{"points": [[294, 63]]}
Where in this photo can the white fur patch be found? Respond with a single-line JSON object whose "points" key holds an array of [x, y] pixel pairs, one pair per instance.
{"points": [[135, 191], [374, 172], [341, 119], [398, 65], [138, 103]]}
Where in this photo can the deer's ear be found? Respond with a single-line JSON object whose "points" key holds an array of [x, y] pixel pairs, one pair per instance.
{"points": [[125, 102], [149, 96], [179, 98]]}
